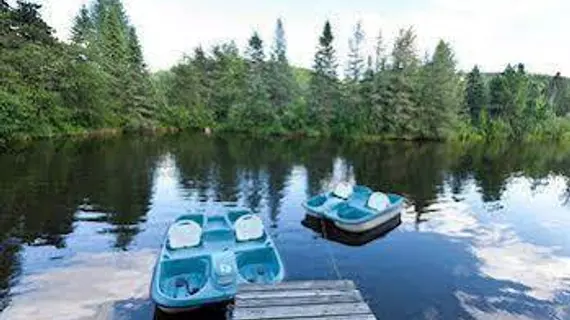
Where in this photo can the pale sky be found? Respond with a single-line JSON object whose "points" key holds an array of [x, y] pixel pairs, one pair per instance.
{"points": [[490, 33]]}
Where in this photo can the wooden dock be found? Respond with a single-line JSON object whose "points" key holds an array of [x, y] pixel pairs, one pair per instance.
{"points": [[302, 300]]}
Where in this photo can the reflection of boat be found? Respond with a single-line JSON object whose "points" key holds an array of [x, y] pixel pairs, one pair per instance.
{"points": [[331, 232], [355, 209], [204, 258]]}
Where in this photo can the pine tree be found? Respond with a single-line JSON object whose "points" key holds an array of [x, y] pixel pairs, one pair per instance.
{"points": [[135, 54], [401, 112], [404, 56], [366, 91], [323, 88], [226, 81], [496, 99], [380, 121], [355, 68], [279, 53], [113, 35], [475, 95], [280, 78], [380, 58], [82, 29], [255, 111], [558, 95], [30, 27], [349, 115], [439, 96]]}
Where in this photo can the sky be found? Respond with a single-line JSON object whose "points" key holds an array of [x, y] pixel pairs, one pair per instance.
{"points": [[489, 33]]}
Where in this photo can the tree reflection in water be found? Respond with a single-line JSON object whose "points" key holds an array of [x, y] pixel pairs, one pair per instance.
{"points": [[50, 190]]}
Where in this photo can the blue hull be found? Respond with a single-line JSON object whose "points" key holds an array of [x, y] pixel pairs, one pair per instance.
{"points": [[209, 273]]}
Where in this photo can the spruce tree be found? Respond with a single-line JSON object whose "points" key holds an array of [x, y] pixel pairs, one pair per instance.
{"points": [[475, 95], [350, 114], [227, 75], [558, 93], [30, 26], [114, 37], [279, 53], [135, 54], [401, 112], [380, 54], [366, 91], [281, 83], [255, 111], [439, 96], [323, 87], [355, 68], [82, 29]]}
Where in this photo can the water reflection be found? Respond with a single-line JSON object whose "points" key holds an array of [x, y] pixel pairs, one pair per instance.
{"points": [[486, 236]]}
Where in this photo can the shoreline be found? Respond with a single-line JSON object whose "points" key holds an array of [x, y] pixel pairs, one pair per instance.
{"points": [[104, 133]]}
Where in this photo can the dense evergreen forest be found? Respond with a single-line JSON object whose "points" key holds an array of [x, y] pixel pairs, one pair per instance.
{"points": [[98, 80]]}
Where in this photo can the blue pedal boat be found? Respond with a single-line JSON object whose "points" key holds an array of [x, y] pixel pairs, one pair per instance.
{"points": [[319, 205], [355, 209], [205, 257]]}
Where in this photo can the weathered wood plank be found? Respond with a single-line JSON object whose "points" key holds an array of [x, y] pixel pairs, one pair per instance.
{"points": [[318, 310], [297, 301], [345, 317], [300, 285], [292, 294]]}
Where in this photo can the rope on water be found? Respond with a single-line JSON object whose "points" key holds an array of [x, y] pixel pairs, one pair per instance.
{"points": [[329, 250]]}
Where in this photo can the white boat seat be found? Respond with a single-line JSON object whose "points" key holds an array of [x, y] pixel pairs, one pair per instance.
{"points": [[343, 190], [185, 234], [249, 227], [378, 201]]}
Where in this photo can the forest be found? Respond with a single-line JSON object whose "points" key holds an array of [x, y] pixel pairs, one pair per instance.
{"points": [[98, 81]]}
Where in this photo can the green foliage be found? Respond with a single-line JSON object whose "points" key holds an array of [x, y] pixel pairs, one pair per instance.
{"points": [[355, 68], [82, 30], [255, 111], [401, 107], [52, 88], [439, 94], [475, 95], [324, 89], [100, 81], [281, 84]]}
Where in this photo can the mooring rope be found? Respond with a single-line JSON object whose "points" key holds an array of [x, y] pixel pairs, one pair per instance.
{"points": [[329, 250]]}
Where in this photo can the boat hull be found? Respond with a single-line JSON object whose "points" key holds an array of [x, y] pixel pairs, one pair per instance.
{"points": [[375, 222], [328, 230], [170, 310], [177, 310]]}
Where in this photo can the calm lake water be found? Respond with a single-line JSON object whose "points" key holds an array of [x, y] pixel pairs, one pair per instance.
{"points": [[486, 234]]}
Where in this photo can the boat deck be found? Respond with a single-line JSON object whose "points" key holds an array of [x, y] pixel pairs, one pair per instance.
{"points": [[301, 300]]}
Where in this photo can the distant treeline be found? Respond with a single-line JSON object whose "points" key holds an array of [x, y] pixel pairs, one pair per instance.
{"points": [[100, 80]]}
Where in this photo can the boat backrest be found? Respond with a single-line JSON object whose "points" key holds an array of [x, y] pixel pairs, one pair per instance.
{"points": [[184, 234], [249, 227], [378, 201], [343, 190]]}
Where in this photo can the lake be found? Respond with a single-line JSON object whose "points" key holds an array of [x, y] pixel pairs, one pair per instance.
{"points": [[485, 235]]}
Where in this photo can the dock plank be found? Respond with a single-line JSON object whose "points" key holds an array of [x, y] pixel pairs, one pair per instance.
{"points": [[292, 294], [300, 285], [248, 303], [318, 310], [344, 317], [301, 300]]}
